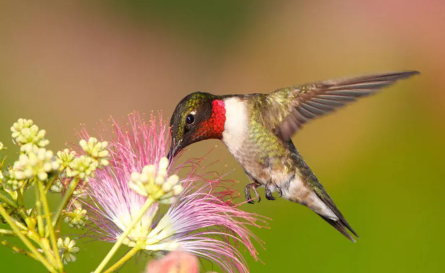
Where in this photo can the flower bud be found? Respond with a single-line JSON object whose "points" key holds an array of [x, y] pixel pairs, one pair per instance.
{"points": [[67, 250], [157, 186]]}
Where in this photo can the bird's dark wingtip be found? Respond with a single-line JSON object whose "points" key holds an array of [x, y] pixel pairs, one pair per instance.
{"points": [[410, 73], [397, 75]]}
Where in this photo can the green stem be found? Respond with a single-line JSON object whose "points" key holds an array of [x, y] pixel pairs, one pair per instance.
{"points": [[123, 260], [28, 244], [6, 232], [57, 229], [49, 226], [7, 200], [18, 250], [65, 200], [25, 218], [124, 235], [44, 244], [31, 225], [40, 225], [20, 197], [51, 182]]}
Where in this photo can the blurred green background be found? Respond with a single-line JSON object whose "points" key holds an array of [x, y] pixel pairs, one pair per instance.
{"points": [[381, 159]]}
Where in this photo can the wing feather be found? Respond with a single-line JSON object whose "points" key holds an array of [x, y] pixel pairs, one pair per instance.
{"points": [[292, 107]]}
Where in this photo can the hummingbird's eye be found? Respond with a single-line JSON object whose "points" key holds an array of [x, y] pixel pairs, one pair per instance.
{"points": [[190, 119]]}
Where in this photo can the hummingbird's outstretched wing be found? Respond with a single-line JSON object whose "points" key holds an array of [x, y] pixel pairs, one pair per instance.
{"points": [[290, 108]]}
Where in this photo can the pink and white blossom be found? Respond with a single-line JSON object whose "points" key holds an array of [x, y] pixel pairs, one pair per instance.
{"points": [[203, 221]]}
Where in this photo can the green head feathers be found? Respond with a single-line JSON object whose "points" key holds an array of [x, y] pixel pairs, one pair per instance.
{"points": [[189, 113]]}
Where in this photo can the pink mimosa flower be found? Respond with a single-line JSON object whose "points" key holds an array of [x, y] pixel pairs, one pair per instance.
{"points": [[203, 221], [175, 262]]}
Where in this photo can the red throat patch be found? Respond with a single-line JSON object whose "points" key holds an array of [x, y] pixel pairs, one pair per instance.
{"points": [[214, 126]]}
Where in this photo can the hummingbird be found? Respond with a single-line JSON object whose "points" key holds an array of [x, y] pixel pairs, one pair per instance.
{"points": [[257, 130]]}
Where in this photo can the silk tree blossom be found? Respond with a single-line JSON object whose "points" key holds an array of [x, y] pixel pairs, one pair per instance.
{"points": [[206, 225], [201, 219], [175, 262]]}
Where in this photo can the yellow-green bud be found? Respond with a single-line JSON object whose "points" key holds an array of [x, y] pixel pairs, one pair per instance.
{"points": [[156, 186], [83, 167], [97, 150], [57, 186], [67, 250], [25, 132], [36, 162], [65, 157], [77, 218]]}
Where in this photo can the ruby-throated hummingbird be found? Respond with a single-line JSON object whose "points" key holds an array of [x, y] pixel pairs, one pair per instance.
{"points": [[257, 130]]}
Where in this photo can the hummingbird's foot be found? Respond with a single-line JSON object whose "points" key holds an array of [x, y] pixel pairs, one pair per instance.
{"points": [[247, 189], [269, 195]]}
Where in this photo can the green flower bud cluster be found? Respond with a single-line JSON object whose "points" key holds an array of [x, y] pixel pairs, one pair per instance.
{"points": [[97, 150], [34, 163], [57, 186], [157, 186], [76, 218], [67, 250], [14, 181], [65, 157], [66, 172], [84, 166], [26, 133]]}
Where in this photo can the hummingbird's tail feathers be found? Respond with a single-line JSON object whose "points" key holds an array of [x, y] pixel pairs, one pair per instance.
{"points": [[341, 226], [341, 223]]}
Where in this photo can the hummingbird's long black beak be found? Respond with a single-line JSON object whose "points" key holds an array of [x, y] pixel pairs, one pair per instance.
{"points": [[172, 152]]}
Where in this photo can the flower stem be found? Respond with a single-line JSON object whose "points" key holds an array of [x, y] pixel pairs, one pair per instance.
{"points": [[65, 200], [20, 197], [4, 232], [28, 244], [25, 218], [49, 226], [124, 259], [51, 182], [44, 244], [28, 221], [121, 239], [40, 226], [18, 250], [7, 200]]}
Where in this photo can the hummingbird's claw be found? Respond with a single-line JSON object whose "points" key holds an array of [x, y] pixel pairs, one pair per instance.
{"points": [[269, 195], [247, 189]]}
